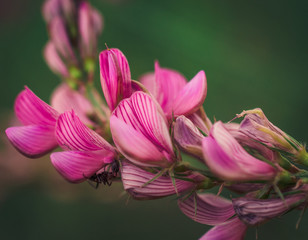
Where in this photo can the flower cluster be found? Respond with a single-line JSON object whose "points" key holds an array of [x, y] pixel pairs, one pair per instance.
{"points": [[139, 135]]}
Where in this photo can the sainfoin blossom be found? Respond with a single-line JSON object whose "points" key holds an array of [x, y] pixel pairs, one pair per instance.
{"points": [[140, 132]]}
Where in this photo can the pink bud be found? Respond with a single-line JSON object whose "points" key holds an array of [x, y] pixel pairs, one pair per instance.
{"points": [[115, 76]]}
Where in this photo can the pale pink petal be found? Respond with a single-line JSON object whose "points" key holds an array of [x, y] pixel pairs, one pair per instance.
{"points": [[30, 109], [98, 21], [65, 99], [33, 140], [72, 134], [54, 61], [59, 37], [191, 97], [51, 9], [134, 178], [188, 136], [115, 76], [134, 145], [169, 84], [231, 230], [228, 159], [77, 166], [207, 208], [203, 123], [149, 81]]}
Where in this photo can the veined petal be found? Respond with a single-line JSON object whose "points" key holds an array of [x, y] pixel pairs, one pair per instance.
{"points": [[115, 76], [207, 208], [134, 145], [72, 134], [134, 178], [228, 159], [169, 84], [65, 99], [54, 61], [255, 211], [30, 109], [231, 230], [187, 136], [191, 97], [77, 166], [33, 140]]}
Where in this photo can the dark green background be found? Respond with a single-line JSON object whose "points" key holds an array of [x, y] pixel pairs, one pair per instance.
{"points": [[254, 54]]}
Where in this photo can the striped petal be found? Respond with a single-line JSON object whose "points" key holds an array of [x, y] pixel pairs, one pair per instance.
{"points": [[30, 109], [228, 159], [188, 137], [135, 146], [77, 166], [207, 208], [134, 178], [191, 97], [33, 140], [231, 230], [256, 211], [65, 99], [115, 76], [72, 134]]}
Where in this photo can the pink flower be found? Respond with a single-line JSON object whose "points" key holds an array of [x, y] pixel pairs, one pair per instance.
{"points": [[86, 151], [135, 181], [140, 131], [37, 136], [228, 159], [90, 26], [54, 61], [214, 210], [115, 76], [173, 93], [54, 8]]}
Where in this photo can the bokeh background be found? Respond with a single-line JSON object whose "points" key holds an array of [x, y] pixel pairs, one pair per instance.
{"points": [[254, 54]]}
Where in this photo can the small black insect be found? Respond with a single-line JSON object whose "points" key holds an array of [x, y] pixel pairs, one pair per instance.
{"points": [[105, 177]]}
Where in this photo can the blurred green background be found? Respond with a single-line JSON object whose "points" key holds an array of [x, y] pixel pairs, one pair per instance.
{"points": [[254, 54]]}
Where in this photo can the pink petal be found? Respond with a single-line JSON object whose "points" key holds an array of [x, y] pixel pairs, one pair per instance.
{"points": [[51, 9], [134, 178], [97, 20], [192, 96], [149, 81], [65, 99], [169, 84], [134, 145], [33, 140], [187, 136], [77, 166], [231, 230], [59, 37], [72, 134], [211, 209], [54, 61], [228, 159], [115, 76], [30, 109], [201, 122]]}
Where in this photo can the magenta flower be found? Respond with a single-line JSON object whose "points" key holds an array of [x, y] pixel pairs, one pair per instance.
{"points": [[54, 61], [115, 76], [188, 136], [214, 210], [90, 26], [37, 135], [135, 181], [228, 159], [173, 93], [140, 131], [86, 151]]}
